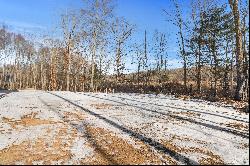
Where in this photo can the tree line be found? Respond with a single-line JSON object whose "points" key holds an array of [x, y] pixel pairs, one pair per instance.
{"points": [[95, 44]]}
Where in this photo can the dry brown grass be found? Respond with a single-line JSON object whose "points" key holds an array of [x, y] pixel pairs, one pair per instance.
{"points": [[101, 106], [210, 159], [238, 126], [73, 115], [26, 121], [41, 149], [188, 113], [110, 149]]}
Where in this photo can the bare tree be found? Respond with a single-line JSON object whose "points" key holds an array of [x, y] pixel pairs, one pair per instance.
{"points": [[96, 18], [138, 59], [69, 25], [160, 54], [121, 30], [234, 5], [178, 21]]}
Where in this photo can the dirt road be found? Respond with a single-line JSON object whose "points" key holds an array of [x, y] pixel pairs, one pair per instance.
{"points": [[39, 127]]}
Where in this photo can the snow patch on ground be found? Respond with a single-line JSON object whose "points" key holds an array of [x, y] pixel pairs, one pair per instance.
{"points": [[181, 124], [80, 150]]}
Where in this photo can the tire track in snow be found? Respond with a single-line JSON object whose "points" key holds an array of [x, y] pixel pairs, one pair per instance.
{"points": [[180, 118], [154, 144], [185, 109]]}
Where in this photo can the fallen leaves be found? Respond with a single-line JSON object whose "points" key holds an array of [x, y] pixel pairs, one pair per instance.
{"points": [[101, 106], [110, 149], [26, 121]]}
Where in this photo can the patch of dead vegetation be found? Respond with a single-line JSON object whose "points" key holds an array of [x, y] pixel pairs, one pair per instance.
{"points": [[243, 146], [100, 106], [73, 116], [240, 106], [146, 126], [188, 113], [183, 138], [110, 149], [26, 121], [47, 151], [4, 130], [210, 159], [183, 97], [214, 160], [175, 121], [150, 127], [238, 126]]}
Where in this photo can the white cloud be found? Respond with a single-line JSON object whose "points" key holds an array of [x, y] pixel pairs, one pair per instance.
{"points": [[174, 63], [25, 27]]}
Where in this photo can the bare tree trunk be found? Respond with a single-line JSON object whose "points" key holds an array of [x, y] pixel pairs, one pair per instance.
{"points": [[199, 58], [42, 77], [239, 52], [215, 69], [93, 63], [68, 68], [20, 79], [232, 73], [138, 74], [183, 52], [34, 76], [118, 62], [199, 76], [2, 77], [145, 58], [245, 62], [15, 76], [53, 83], [227, 69]]}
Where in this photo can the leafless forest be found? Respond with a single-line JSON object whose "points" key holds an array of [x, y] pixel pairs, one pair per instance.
{"points": [[90, 56]]}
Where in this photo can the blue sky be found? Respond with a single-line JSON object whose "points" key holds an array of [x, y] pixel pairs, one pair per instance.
{"points": [[146, 13], [43, 15]]}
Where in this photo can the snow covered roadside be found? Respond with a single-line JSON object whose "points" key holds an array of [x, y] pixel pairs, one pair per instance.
{"points": [[39, 127]]}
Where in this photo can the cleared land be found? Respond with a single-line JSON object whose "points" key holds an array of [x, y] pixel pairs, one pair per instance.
{"points": [[39, 127]]}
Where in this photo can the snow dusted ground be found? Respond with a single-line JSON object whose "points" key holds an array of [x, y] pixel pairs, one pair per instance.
{"points": [[39, 127]]}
